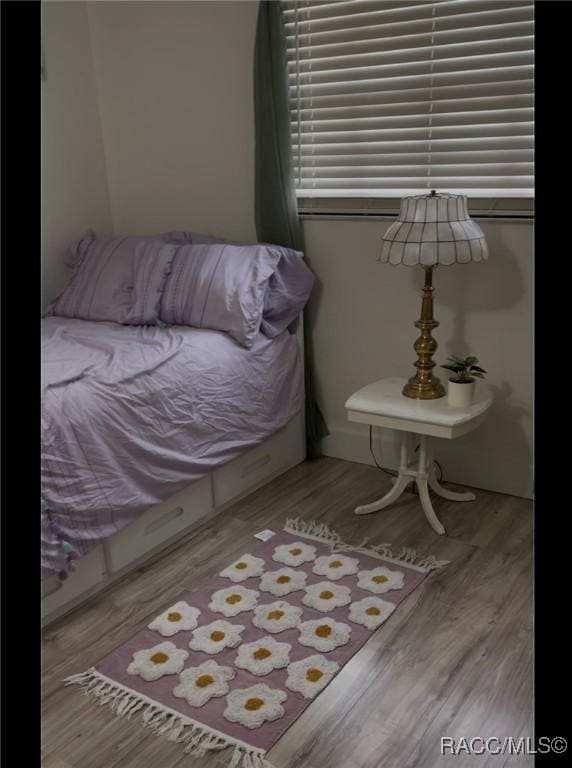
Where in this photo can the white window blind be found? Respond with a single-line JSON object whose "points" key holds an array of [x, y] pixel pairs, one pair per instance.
{"points": [[395, 97]]}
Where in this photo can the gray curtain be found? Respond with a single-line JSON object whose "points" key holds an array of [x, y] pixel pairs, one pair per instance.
{"points": [[275, 199]]}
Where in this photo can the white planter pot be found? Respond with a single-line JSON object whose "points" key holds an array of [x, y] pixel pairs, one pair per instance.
{"points": [[461, 394]]}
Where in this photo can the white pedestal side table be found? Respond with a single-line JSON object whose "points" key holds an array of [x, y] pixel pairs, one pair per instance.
{"points": [[382, 404]]}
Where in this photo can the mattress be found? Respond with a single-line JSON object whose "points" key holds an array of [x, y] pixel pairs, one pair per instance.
{"points": [[133, 414]]}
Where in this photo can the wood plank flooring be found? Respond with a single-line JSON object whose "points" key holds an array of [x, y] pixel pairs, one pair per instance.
{"points": [[455, 659]]}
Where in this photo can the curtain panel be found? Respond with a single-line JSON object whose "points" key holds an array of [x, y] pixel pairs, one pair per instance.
{"points": [[276, 211]]}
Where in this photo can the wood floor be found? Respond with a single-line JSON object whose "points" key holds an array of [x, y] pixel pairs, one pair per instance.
{"points": [[455, 659]]}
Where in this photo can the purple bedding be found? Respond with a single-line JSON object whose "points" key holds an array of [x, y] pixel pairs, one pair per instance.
{"points": [[133, 414]]}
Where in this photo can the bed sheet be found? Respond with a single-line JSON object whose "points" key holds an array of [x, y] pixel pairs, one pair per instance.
{"points": [[132, 415]]}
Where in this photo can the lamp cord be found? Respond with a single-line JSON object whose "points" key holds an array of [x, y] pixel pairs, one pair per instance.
{"points": [[387, 471], [390, 472]]}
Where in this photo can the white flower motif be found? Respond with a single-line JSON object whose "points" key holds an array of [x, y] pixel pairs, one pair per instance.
{"points": [[277, 616], [380, 580], [244, 568], [371, 612], [255, 705], [335, 566], [200, 684], [216, 636], [294, 554], [310, 675], [324, 634], [153, 663], [231, 601], [325, 596], [282, 582], [262, 656], [177, 618]]}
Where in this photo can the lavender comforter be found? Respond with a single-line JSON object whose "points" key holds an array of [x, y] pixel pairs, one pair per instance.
{"points": [[131, 415]]}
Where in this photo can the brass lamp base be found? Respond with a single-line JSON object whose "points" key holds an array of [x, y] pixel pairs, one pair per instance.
{"points": [[425, 386], [424, 390]]}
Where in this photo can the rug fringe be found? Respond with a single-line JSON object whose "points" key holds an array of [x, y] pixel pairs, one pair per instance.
{"points": [[310, 529], [197, 737]]}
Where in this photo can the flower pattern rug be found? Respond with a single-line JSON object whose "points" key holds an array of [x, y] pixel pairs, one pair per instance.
{"points": [[236, 661]]}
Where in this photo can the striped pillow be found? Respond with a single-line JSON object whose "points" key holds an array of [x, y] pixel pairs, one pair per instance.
{"points": [[288, 290], [117, 279], [221, 287]]}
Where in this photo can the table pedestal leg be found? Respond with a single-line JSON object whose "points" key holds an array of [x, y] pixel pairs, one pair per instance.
{"points": [[422, 479], [400, 483], [398, 488], [436, 486]]}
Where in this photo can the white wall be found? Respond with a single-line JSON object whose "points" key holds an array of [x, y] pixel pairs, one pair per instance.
{"points": [[175, 91], [362, 319], [74, 180], [176, 99]]}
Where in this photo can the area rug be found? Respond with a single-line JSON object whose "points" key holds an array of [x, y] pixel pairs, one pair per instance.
{"points": [[235, 662]]}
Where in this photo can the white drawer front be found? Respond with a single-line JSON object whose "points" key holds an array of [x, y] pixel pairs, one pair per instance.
{"points": [[89, 572], [159, 524], [280, 452]]}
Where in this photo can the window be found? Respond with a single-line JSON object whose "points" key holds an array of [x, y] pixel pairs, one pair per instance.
{"points": [[397, 97]]}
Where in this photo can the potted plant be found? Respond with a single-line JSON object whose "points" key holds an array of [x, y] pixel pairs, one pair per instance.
{"points": [[461, 389]]}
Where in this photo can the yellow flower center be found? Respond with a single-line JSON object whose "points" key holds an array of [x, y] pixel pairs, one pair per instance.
{"points": [[336, 564], [232, 599], [159, 657], [326, 595], [296, 551], [379, 579], [261, 653], [217, 635], [241, 566], [203, 681], [283, 579], [373, 611], [313, 675], [253, 704], [275, 615], [174, 616], [323, 630]]}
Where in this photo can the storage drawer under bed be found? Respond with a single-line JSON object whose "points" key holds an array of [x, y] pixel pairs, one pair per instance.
{"points": [[281, 451], [89, 572], [159, 524]]}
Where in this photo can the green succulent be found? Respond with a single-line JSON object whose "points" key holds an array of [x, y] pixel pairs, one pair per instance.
{"points": [[465, 368]]}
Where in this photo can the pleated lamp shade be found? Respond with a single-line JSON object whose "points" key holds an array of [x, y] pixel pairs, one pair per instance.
{"points": [[433, 229]]}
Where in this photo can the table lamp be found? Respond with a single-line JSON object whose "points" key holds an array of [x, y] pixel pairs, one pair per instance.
{"points": [[431, 229]]}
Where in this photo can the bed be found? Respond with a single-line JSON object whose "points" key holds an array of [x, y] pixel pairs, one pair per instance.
{"points": [[199, 422], [149, 429]]}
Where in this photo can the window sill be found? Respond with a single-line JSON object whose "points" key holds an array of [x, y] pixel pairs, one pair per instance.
{"points": [[361, 208]]}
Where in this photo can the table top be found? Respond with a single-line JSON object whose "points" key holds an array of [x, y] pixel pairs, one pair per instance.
{"points": [[384, 398]]}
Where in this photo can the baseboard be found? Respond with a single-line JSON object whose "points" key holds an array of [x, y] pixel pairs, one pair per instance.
{"points": [[465, 467]]}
